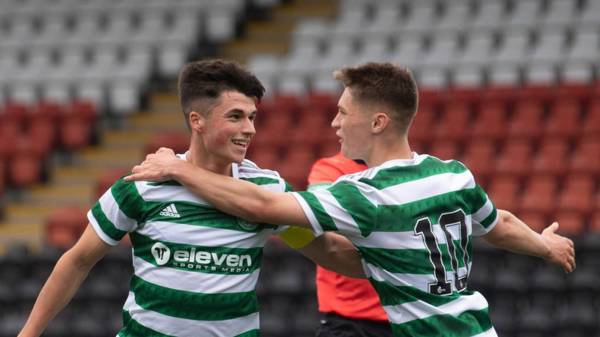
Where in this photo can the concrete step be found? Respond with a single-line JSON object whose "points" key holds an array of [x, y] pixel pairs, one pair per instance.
{"points": [[110, 158], [63, 195], [31, 234]]}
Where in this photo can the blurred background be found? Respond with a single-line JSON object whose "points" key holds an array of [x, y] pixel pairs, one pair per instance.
{"points": [[509, 87]]}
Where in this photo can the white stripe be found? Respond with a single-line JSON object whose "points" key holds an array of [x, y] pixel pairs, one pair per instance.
{"points": [[197, 282], [205, 236], [419, 189], [409, 311], [162, 193], [484, 211], [372, 172], [111, 209], [490, 333], [99, 230], [310, 215], [418, 281], [182, 327], [341, 218]]}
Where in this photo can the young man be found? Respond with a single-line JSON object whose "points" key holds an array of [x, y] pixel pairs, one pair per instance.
{"points": [[195, 268], [350, 306], [411, 216]]}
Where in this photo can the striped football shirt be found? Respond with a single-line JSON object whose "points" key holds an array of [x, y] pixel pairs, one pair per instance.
{"points": [[413, 222], [195, 268]]}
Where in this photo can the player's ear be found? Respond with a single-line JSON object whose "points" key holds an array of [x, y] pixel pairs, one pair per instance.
{"points": [[197, 121], [379, 122]]}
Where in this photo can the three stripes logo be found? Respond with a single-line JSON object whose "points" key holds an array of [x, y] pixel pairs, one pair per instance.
{"points": [[170, 211]]}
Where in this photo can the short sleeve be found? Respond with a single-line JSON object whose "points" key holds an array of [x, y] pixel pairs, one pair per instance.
{"points": [[117, 212], [485, 215], [345, 207]]}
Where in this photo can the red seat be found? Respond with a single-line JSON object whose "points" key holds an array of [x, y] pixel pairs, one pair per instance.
{"points": [[323, 102], [25, 170], [177, 141], [444, 149], [551, 158], [17, 112], [563, 120], [591, 122], [65, 225], [310, 129], [75, 133], [42, 133], [526, 121], [294, 167], [595, 223], [10, 130], [540, 92], [462, 95], [84, 109], [535, 220], [431, 97], [491, 122], [107, 179], [274, 130], [570, 223], [267, 158], [479, 158], [501, 94], [503, 190], [577, 194], [47, 110], [420, 130], [586, 158], [539, 195], [2, 178], [515, 158], [577, 91], [454, 123]]}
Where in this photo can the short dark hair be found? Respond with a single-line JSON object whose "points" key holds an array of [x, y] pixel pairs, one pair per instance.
{"points": [[207, 79], [384, 84]]}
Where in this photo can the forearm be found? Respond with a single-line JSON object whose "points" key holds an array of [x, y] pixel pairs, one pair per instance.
{"points": [[58, 290], [514, 235], [239, 198], [336, 253]]}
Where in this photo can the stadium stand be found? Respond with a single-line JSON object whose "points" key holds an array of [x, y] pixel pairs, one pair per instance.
{"points": [[509, 87]]}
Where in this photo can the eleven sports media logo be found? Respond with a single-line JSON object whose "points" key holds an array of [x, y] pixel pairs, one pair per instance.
{"points": [[200, 260]]}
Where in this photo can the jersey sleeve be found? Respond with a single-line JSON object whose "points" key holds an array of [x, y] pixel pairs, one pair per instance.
{"points": [[117, 212], [485, 215], [345, 207]]}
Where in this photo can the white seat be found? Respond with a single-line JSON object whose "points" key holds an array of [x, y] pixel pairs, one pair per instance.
{"points": [[577, 72], [386, 21], [560, 13], [468, 76], [550, 47], [119, 30], [220, 18], [590, 14], [420, 18], [540, 74], [514, 48], [373, 49], [489, 16], [339, 52], [455, 16], [152, 27], [324, 83], [124, 97], [443, 51], [266, 67], [504, 75], [293, 84], [478, 50], [585, 46], [409, 52], [524, 15], [350, 23], [433, 77], [310, 30]]}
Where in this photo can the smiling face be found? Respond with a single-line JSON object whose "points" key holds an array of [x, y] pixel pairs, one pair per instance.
{"points": [[227, 130], [353, 125]]}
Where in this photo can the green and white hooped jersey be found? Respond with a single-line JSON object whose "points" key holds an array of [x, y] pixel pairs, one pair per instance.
{"points": [[413, 222], [195, 268]]}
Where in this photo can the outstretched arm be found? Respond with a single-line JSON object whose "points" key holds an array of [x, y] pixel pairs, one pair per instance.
{"points": [[512, 234], [68, 274], [236, 197]]}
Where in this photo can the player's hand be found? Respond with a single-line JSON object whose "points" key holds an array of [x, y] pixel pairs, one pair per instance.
{"points": [[155, 167], [562, 250]]}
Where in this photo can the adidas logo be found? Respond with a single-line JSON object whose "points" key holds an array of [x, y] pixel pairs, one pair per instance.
{"points": [[170, 211]]}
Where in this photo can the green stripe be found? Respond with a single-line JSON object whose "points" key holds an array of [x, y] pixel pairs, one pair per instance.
{"points": [[129, 200], [262, 181], [251, 333], [131, 328], [105, 224], [190, 305], [288, 187], [489, 219], [324, 219], [362, 211], [396, 295], [246, 260], [467, 324], [195, 214], [408, 261], [402, 218], [401, 174]]}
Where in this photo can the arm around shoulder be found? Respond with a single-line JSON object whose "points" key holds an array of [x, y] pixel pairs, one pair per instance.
{"points": [[336, 253]]}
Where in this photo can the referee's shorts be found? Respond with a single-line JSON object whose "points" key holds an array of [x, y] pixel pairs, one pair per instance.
{"points": [[333, 325]]}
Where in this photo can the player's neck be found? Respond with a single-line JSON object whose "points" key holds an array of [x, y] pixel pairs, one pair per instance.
{"points": [[205, 159], [386, 151]]}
